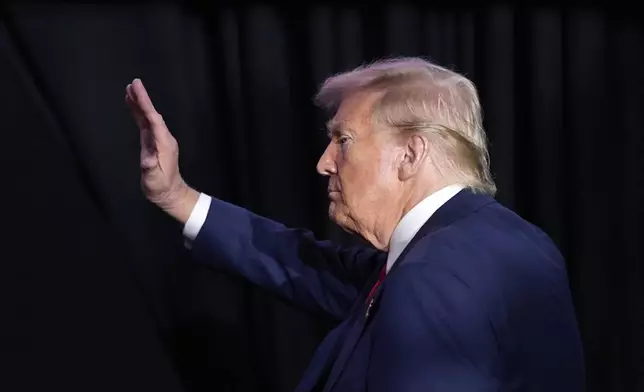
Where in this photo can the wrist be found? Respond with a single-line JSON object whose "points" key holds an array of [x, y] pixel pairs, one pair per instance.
{"points": [[181, 202]]}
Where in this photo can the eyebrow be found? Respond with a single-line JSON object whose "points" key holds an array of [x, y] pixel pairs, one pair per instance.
{"points": [[335, 129]]}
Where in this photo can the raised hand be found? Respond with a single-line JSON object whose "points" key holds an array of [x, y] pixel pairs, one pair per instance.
{"points": [[161, 180]]}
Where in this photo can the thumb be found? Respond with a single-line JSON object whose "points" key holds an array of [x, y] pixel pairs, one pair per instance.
{"points": [[149, 159], [149, 162]]}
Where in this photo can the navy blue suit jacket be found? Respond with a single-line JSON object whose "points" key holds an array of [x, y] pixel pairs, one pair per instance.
{"points": [[479, 300]]}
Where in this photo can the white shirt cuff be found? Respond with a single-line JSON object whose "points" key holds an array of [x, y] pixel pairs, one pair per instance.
{"points": [[197, 219]]}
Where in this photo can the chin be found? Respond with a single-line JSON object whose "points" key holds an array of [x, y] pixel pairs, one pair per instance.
{"points": [[341, 220], [334, 216]]}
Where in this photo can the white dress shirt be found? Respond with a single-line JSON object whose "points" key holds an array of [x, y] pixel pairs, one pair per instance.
{"points": [[402, 235], [415, 219], [197, 218]]}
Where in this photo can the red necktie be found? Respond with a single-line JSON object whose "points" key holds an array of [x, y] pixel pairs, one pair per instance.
{"points": [[383, 273]]}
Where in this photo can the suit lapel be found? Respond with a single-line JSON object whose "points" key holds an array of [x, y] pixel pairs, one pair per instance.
{"points": [[355, 325], [321, 360], [328, 352], [347, 348]]}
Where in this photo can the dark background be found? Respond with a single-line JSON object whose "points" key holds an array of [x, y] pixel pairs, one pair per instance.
{"points": [[98, 293]]}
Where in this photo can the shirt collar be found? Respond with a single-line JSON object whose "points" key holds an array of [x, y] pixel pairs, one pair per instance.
{"points": [[411, 223]]}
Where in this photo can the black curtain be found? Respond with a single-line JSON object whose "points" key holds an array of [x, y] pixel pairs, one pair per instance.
{"points": [[98, 292]]}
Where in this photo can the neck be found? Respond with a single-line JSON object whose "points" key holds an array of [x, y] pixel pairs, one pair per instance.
{"points": [[418, 194], [381, 237]]}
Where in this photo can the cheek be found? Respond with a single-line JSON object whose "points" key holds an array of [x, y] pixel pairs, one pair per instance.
{"points": [[389, 162], [365, 178], [379, 172], [362, 184]]}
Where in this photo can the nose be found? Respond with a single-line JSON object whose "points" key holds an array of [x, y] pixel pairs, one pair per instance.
{"points": [[326, 165]]}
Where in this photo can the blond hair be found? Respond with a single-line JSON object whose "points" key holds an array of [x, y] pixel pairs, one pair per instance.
{"points": [[418, 96]]}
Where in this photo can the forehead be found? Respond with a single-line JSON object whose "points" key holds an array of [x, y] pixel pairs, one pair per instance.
{"points": [[353, 114]]}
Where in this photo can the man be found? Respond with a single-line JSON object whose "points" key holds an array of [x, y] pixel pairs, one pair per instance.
{"points": [[460, 294]]}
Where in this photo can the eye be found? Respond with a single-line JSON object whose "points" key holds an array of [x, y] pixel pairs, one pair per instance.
{"points": [[343, 139]]}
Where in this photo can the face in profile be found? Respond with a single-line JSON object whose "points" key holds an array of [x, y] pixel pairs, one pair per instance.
{"points": [[360, 163]]}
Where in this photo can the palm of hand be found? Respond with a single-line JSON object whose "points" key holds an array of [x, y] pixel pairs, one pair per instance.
{"points": [[159, 159]]}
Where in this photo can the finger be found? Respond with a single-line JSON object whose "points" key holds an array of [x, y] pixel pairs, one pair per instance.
{"points": [[133, 104], [129, 92], [153, 119], [142, 98], [132, 101], [136, 111], [139, 118], [146, 137]]}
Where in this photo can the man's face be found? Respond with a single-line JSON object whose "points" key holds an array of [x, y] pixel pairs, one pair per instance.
{"points": [[361, 163]]}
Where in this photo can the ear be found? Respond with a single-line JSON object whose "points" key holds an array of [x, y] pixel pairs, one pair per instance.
{"points": [[416, 150]]}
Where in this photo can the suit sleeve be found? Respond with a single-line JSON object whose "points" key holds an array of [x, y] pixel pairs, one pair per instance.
{"points": [[286, 261], [432, 334]]}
